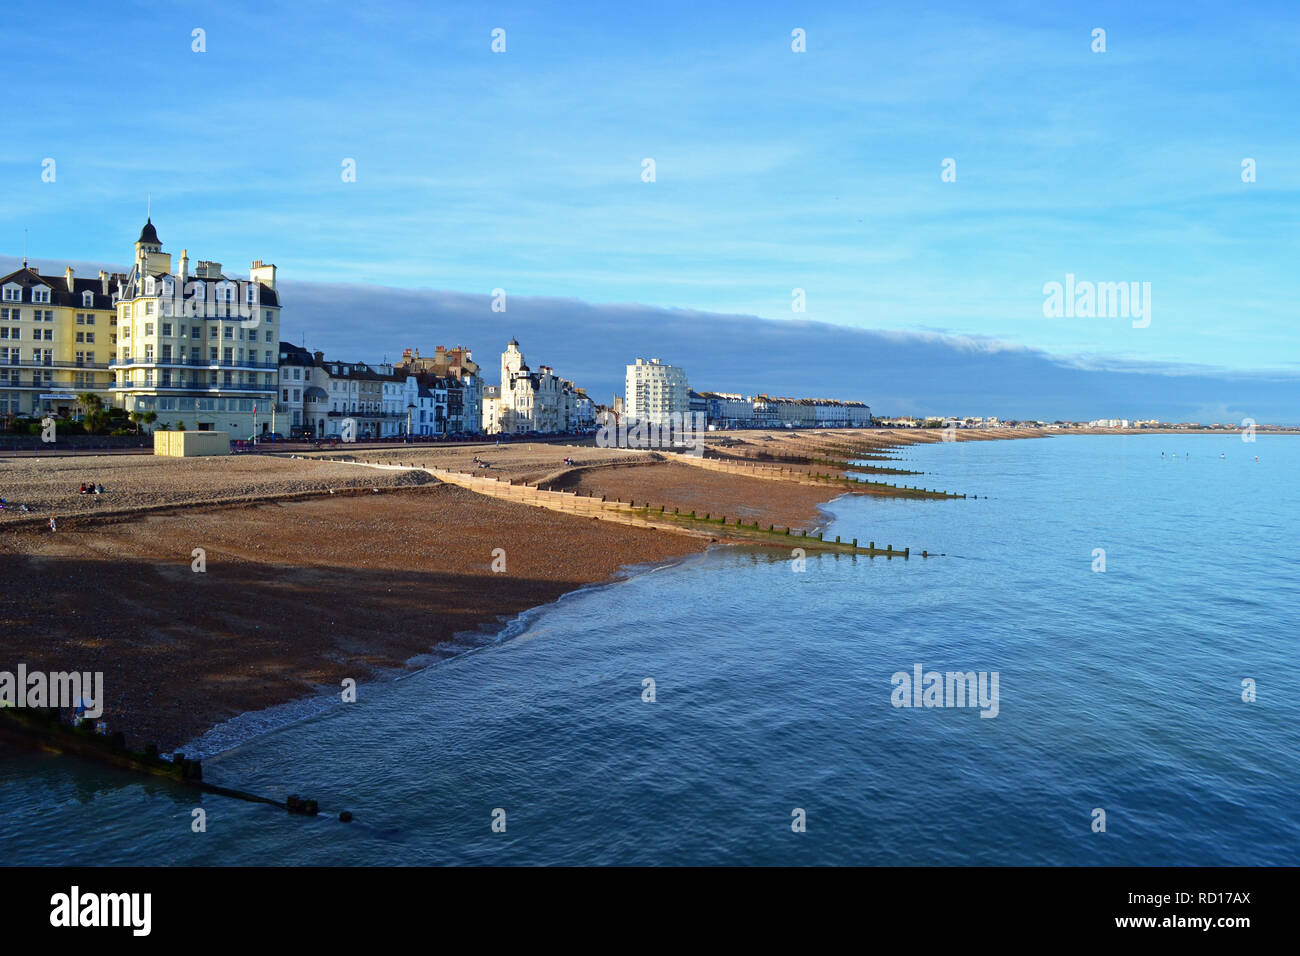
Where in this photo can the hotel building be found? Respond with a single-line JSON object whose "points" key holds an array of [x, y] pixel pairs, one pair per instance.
{"points": [[528, 401], [194, 345], [56, 340]]}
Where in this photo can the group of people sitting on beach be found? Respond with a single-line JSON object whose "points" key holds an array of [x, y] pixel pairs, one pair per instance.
{"points": [[480, 463], [568, 460], [5, 506], [91, 489]]}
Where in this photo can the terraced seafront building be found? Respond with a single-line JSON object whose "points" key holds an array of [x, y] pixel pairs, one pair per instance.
{"points": [[57, 337], [194, 345]]}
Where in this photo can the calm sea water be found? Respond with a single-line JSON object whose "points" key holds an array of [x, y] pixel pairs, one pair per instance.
{"points": [[1119, 690]]}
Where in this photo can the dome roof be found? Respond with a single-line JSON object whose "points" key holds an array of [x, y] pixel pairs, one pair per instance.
{"points": [[149, 234]]}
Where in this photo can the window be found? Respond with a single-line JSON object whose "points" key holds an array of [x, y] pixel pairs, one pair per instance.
{"points": [[11, 314], [212, 331], [87, 299], [148, 328], [90, 337], [49, 335], [81, 358], [49, 315], [268, 336], [81, 336], [195, 332], [166, 353], [166, 328], [81, 318], [90, 319], [148, 353], [229, 333], [40, 295]]}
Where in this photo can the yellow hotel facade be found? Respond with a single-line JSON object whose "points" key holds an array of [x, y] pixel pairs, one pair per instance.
{"points": [[57, 338]]}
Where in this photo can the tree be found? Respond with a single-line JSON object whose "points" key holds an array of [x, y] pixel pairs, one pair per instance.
{"points": [[93, 414], [89, 402]]}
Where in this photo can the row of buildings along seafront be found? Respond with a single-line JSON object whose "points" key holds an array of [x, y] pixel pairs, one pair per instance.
{"points": [[729, 410], [385, 401], [200, 348], [188, 343], [656, 393]]}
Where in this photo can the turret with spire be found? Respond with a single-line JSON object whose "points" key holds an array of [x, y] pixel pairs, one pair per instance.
{"points": [[149, 257]]}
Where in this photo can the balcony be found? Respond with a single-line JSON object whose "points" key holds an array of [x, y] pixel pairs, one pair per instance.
{"points": [[191, 385], [192, 363]]}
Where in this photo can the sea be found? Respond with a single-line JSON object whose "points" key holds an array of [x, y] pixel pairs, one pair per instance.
{"points": [[1135, 596]]}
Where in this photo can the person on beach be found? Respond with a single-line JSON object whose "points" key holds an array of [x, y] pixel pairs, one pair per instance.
{"points": [[99, 489], [53, 526], [83, 489]]}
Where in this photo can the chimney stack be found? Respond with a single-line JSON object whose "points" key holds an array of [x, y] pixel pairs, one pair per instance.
{"points": [[103, 282], [68, 277], [184, 273]]}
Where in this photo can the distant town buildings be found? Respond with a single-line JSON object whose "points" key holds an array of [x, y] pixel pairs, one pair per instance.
{"points": [[731, 410]]}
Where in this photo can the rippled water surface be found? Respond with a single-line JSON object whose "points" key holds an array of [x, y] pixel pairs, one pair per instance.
{"points": [[1119, 690]]}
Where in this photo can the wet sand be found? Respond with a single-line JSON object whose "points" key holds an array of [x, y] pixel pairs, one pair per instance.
{"points": [[296, 594], [784, 504]]}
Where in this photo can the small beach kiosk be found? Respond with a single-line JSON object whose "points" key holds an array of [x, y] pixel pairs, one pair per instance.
{"points": [[190, 444]]}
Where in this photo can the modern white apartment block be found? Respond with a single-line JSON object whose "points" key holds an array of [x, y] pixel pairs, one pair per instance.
{"points": [[654, 391]]}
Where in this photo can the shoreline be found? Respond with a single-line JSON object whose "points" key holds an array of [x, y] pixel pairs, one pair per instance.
{"points": [[250, 726], [318, 571]]}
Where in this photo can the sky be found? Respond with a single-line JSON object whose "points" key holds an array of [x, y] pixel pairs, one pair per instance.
{"points": [[774, 171]]}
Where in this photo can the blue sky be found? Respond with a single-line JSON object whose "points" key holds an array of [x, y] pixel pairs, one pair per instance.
{"points": [[775, 170]]}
